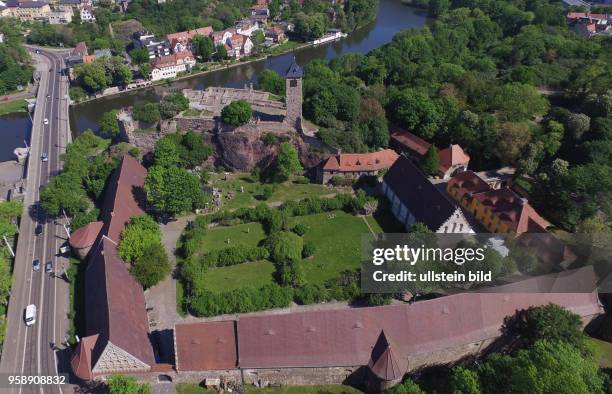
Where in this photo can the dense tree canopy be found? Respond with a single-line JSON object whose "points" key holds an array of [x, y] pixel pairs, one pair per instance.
{"points": [[237, 113]]}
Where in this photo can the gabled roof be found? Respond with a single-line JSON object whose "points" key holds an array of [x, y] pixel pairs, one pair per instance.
{"points": [[85, 236], [80, 49], [452, 156], [185, 36], [361, 162], [428, 205], [205, 348], [411, 141], [80, 361], [294, 70], [115, 306]]}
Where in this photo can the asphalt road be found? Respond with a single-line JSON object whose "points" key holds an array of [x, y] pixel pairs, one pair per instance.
{"points": [[37, 350]]}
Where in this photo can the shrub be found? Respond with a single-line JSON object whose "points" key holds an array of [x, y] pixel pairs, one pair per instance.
{"points": [[300, 229], [284, 246], [301, 180], [237, 113], [337, 180], [233, 255], [308, 250]]}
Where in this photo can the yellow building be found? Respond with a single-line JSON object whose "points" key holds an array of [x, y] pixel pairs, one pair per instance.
{"points": [[31, 10]]}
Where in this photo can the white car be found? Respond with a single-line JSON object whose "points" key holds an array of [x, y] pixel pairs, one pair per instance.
{"points": [[44, 157], [46, 121], [30, 315]]}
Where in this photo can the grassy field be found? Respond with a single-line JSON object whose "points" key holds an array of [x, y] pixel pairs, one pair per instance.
{"points": [[246, 234], [13, 106], [256, 274], [248, 192], [187, 388], [336, 235], [337, 238], [606, 352]]}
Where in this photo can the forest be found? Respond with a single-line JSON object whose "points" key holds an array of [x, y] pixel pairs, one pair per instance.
{"points": [[506, 80], [15, 70]]}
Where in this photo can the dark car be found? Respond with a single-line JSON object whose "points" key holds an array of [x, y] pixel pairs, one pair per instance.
{"points": [[36, 265], [49, 266], [38, 229]]}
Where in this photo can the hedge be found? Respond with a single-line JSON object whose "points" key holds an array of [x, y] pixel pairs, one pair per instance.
{"points": [[233, 255]]}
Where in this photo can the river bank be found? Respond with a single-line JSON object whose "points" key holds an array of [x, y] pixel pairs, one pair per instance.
{"points": [[392, 17], [15, 106]]}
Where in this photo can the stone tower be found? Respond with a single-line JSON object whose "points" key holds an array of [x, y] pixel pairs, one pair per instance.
{"points": [[293, 90]]}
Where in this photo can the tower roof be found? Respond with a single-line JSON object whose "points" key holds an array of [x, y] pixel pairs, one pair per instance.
{"points": [[294, 70]]}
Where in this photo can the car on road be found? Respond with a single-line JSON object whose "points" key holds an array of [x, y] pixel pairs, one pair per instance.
{"points": [[44, 157], [37, 51], [49, 266], [65, 248], [46, 121], [38, 230], [36, 265], [29, 315], [48, 96]]}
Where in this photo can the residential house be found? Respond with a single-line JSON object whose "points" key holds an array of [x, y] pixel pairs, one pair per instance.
{"points": [[70, 3], [498, 210], [414, 199], [157, 48], [354, 165], [240, 45], [181, 41], [222, 37], [86, 12], [29, 10], [61, 15], [169, 66], [588, 24], [247, 27], [276, 34], [260, 8], [451, 159]]}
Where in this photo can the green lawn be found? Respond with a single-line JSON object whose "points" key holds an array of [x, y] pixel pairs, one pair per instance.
{"points": [[246, 234], [247, 192], [336, 235], [256, 274], [606, 352], [337, 238], [13, 106], [192, 388]]}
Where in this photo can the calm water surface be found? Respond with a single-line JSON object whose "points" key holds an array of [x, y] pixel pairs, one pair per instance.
{"points": [[392, 17]]}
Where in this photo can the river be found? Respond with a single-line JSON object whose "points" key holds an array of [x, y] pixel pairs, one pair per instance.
{"points": [[14, 129], [392, 17]]}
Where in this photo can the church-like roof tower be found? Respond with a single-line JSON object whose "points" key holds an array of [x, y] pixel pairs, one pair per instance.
{"points": [[294, 70]]}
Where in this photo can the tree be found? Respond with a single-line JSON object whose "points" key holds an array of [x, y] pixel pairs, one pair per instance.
{"points": [[371, 70], [220, 52], [140, 234], [145, 70], [284, 246], [552, 323], [139, 56], [147, 112], [92, 76], [173, 190], [258, 38], [520, 102], [166, 153], [416, 111], [108, 123], [287, 162], [430, 161], [152, 266], [64, 192], [237, 113], [203, 47], [408, 386], [119, 384], [512, 139], [270, 81], [464, 381], [577, 124]]}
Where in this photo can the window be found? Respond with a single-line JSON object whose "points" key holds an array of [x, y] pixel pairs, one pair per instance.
{"points": [[293, 83]]}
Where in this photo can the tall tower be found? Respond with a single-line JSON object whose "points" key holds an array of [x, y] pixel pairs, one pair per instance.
{"points": [[293, 92]]}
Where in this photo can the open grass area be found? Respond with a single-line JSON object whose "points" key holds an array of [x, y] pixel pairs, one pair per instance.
{"points": [[192, 388], [246, 192], [13, 106], [337, 238], [336, 235], [606, 352], [246, 234], [256, 274]]}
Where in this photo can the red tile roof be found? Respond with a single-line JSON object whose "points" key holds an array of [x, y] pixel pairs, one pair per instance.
{"points": [[411, 141], [172, 60], [80, 361], [85, 236], [508, 206], [346, 337], [205, 347], [185, 36], [452, 156], [361, 162], [80, 49], [385, 363], [124, 198]]}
